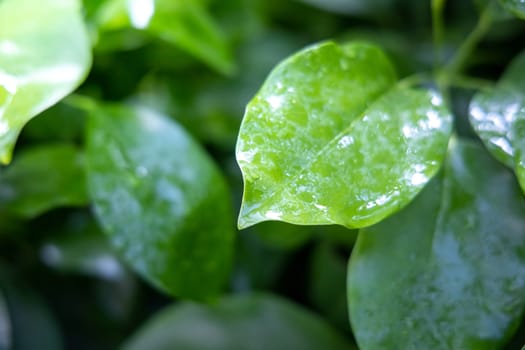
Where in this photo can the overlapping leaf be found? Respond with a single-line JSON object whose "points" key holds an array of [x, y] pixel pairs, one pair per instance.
{"points": [[246, 322], [517, 7], [44, 55], [161, 200], [498, 116], [331, 139], [448, 272]]}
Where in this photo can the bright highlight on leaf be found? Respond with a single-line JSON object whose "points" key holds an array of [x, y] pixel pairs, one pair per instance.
{"points": [[44, 55], [448, 271], [332, 139], [498, 116], [161, 200]]}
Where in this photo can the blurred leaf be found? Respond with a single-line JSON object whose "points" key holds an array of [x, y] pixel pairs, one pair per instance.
{"points": [[327, 289], [43, 178], [448, 272], [83, 248], [311, 155], [517, 7], [244, 322], [353, 7], [161, 200], [32, 324], [498, 116], [183, 23], [5, 324], [44, 55]]}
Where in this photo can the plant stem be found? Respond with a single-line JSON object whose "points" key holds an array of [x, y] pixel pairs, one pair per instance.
{"points": [[457, 63], [437, 31]]}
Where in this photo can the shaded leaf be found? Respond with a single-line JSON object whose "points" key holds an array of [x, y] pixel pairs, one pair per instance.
{"points": [[448, 272], [517, 7], [161, 200], [498, 115], [43, 178], [246, 322], [353, 7], [330, 139], [185, 24], [44, 55]]}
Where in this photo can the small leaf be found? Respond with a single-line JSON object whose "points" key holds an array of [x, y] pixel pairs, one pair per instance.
{"points": [[448, 272], [497, 117], [247, 322], [517, 7], [161, 200], [330, 139], [185, 24], [44, 55], [43, 178]]}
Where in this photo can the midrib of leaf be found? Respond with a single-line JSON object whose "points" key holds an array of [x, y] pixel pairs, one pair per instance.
{"points": [[283, 187]]}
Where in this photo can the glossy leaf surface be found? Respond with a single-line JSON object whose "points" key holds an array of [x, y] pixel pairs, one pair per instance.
{"points": [[185, 24], [44, 55], [517, 7], [43, 178], [330, 139], [498, 116], [246, 322], [447, 272], [161, 200]]}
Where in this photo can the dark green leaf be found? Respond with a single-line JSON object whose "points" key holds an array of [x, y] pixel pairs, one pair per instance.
{"points": [[44, 55], [353, 7], [331, 139], [161, 200], [246, 322], [183, 23], [448, 272], [517, 7], [498, 115], [43, 178]]}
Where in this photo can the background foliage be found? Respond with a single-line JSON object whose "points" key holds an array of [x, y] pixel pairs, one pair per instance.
{"points": [[118, 210]]}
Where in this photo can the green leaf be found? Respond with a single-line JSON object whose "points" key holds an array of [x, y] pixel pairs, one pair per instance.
{"points": [[185, 24], [448, 272], [44, 55], [161, 200], [43, 178], [517, 7], [331, 139], [497, 116], [244, 322]]}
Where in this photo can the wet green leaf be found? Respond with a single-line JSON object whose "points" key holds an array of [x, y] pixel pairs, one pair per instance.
{"points": [[185, 24], [246, 322], [331, 139], [44, 55], [161, 200], [448, 272], [517, 7], [43, 178], [498, 117]]}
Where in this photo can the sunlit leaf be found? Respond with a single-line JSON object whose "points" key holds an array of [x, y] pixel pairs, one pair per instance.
{"points": [[331, 139], [245, 322], [498, 116], [43, 178], [161, 200], [448, 272], [517, 7], [44, 55]]}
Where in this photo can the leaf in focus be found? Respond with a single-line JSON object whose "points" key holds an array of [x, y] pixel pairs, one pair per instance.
{"points": [[43, 178], [185, 24], [331, 139], [447, 272], [498, 117], [44, 55], [517, 7], [161, 200], [245, 322]]}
